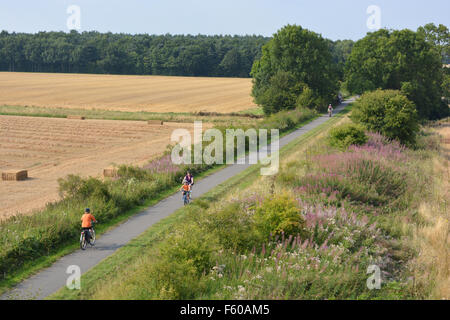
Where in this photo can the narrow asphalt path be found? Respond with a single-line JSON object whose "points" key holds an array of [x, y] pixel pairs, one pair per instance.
{"points": [[53, 278]]}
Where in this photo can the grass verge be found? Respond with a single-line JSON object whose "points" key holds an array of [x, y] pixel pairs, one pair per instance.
{"points": [[31, 111]]}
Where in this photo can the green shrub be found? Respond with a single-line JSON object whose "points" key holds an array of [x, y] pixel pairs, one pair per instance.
{"points": [[190, 243], [233, 227], [279, 215], [70, 186], [288, 119], [306, 98], [346, 135], [77, 187], [338, 188], [389, 113], [427, 140], [185, 256], [385, 180], [128, 172], [174, 280]]}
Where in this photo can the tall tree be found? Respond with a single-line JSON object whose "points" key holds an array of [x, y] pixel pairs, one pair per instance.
{"points": [[399, 60], [341, 50], [438, 36], [294, 61]]}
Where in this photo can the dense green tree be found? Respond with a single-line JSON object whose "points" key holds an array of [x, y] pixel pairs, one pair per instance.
{"points": [[87, 58], [400, 60], [294, 59], [388, 112], [439, 36], [282, 90], [231, 63], [446, 85], [341, 50]]}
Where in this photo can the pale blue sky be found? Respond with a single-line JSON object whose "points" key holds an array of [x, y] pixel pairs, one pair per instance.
{"points": [[334, 19]]}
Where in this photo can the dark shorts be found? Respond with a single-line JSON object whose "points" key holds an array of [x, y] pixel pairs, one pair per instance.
{"points": [[88, 233]]}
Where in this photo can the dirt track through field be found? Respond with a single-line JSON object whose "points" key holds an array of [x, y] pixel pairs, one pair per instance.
{"points": [[126, 93], [51, 148]]}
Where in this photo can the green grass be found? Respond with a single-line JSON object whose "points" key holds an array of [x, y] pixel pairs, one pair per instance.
{"points": [[117, 263], [255, 111], [32, 111]]}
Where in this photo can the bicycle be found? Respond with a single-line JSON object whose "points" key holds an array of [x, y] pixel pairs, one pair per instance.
{"points": [[83, 241], [186, 198], [92, 236]]}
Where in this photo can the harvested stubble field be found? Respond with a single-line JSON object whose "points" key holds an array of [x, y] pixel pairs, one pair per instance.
{"points": [[126, 93], [50, 148]]}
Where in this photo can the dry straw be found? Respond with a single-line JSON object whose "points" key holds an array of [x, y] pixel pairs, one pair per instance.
{"points": [[110, 172], [156, 122], [15, 175]]}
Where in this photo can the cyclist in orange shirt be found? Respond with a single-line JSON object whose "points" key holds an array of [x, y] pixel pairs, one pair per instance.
{"points": [[186, 189], [86, 223]]}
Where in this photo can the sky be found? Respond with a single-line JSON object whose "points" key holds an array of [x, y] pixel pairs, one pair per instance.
{"points": [[334, 19]]}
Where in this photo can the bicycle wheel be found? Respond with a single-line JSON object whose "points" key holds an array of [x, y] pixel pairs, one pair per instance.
{"points": [[92, 240], [83, 243]]}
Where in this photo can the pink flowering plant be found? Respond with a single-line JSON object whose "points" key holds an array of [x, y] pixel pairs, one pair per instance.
{"points": [[328, 261]]}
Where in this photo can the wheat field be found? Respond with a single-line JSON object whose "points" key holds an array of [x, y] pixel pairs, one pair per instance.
{"points": [[51, 148], [126, 93]]}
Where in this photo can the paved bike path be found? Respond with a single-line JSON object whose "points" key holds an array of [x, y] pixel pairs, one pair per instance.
{"points": [[53, 278]]}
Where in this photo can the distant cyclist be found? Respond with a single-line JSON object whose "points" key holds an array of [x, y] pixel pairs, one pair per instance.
{"points": [[189, 178], [186, 190], [330, 110], [86, 223]]}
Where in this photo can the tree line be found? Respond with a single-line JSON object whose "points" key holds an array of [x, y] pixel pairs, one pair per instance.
{"points": [[143, 54]]}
